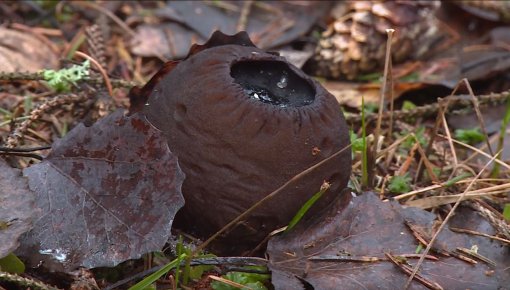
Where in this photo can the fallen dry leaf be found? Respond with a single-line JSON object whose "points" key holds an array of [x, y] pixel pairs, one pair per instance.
{"points": [[16, 208], [24, 52], [321, 253], [108, 193]]}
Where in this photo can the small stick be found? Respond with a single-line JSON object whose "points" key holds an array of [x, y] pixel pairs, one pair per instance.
{"points": [[243, 18], [100, 69], [466, 231], [384, 91]]}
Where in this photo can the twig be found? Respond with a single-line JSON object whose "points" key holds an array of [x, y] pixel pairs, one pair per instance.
{"points": [[101, 70], [455, 102], [479, 116], [466, 231], [22, 154], [384, 92], [243, 18], [19, 132], [26, 282], [406, 269], [32, 149]]}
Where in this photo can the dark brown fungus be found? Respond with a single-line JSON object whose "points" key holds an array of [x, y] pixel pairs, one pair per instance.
{"points": [[242, 123]]}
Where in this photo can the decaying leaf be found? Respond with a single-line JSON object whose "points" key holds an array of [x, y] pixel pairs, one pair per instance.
{"points": [[21, 51], [347, 245], [108, 193], [16, 208], [269, 24]]}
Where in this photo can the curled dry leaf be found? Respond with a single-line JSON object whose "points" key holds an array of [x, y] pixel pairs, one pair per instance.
{"points": [[108, 193], [22, 51], [325, 252], [16, 208]]}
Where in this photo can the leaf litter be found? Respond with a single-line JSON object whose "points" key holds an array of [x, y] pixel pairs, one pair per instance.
{"points": [[478, 228]]}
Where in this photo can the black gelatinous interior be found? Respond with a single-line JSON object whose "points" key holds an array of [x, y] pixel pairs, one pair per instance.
{"points": [[273, 82]]}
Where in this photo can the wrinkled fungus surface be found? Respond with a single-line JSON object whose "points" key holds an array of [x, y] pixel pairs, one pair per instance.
{"points": [[243, 122]]}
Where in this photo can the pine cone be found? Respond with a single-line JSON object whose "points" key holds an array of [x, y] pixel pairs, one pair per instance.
{"points": [[355, 42]]}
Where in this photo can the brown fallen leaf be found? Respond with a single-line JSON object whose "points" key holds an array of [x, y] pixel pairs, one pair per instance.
{"points": [[366, 226], [24, 52], [17, 208], [108, 193]]}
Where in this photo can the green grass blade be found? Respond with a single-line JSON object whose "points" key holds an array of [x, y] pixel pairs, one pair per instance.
{"points": [[364, 165], [156, 275], [457, 179], [501, 140], [304, 209], [12, 264]]}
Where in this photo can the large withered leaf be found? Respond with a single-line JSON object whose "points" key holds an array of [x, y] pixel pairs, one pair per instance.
{"points": [[368, 227], [16, 207], [108, 193]]}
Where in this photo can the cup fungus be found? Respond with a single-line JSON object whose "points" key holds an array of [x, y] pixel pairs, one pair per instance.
{"points": [[243, 122]]}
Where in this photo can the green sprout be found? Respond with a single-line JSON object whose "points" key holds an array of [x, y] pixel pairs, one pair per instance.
{"points": [[400, 184], [506, 212], [253, 281], [62, 80], [409, 142], [469, 136], [408, 106], [356, 142]]}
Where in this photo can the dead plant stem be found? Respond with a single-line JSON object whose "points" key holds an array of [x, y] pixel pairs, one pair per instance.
{"points": [[384, 90]]}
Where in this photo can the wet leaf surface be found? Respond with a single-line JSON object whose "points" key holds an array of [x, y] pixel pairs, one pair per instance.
{"points": [[16, 208], [108, 193], [368, 227]]}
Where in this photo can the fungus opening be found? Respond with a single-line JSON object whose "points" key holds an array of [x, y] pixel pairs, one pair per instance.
{"points": [[273, 82]]}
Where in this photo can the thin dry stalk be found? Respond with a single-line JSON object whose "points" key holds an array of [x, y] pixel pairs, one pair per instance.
{"points": [[445, 221], [386, 150], [426, 161], [21, 129], [507, 166], [103, 73], [476, 105], [243, 17], [384, 92], [406, 269], [228, 282], [447, 184], [442, 107], [409, 159], [475, 233], [449, 139]]}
